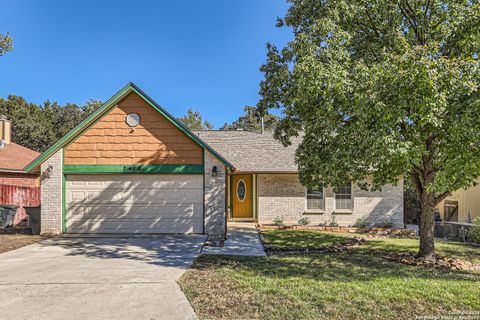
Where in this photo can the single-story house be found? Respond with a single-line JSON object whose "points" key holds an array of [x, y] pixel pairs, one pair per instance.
{"points": [[131, 167], [17, 187], [266, 177]]}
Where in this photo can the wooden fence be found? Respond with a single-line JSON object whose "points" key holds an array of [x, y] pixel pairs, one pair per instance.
{"points": [[21, 197]]}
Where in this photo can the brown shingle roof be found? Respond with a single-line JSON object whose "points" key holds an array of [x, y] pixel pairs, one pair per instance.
{"points": [[15, 157], [252, 151]]}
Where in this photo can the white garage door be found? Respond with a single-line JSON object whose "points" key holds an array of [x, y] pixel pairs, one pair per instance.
{"points": [[148, 203]]}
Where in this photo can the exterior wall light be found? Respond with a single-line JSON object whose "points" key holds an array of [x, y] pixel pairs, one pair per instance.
{"points": [[214, 171], [48, 172]]}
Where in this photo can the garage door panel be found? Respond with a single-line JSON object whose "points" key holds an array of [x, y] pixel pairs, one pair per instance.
{"points": [[134, 203], [167, 196], [138, 211], [162, 225], [139, 181], [76, 196], [119, 196], [139, 227], [104, 196]]}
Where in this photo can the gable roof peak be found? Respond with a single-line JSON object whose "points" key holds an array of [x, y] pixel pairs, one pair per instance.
{"points": [[104, 109]]}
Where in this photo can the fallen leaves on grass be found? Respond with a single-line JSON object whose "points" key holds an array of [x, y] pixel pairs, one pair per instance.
{"points": [[10, 242]]}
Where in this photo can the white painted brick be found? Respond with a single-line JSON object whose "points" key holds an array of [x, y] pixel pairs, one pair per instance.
{"points": [[214, 196], [51, 195], [283, 195]]}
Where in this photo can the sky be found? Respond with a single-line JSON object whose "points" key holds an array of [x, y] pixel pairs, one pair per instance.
{"points": [[195, 54]]}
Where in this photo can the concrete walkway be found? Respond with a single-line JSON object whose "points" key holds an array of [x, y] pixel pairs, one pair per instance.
{"points": [[242, 240], [98, 278]]}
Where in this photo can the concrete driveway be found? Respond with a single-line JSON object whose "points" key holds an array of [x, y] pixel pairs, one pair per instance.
{"points": [[98, 278]]}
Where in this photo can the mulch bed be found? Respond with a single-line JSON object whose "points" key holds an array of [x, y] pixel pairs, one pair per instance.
{"points": [[336, 247], [441, 262], [401, 233]]}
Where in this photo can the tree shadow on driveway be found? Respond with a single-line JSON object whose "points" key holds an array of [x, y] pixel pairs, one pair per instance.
{"points": [[177, 251]]}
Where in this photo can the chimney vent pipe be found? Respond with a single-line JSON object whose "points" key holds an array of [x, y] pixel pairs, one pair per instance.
{"points": [[5, 130]]}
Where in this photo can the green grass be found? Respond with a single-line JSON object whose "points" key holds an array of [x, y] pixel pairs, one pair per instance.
{"points": [[302, 239], [353, 284], [314, 239]]}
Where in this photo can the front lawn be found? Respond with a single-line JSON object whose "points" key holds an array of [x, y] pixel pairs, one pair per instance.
{"points": [[353, 284], [285, 239], [311, 239]]}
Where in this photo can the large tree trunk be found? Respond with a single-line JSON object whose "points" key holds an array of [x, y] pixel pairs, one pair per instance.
{"points": [[427, 226]]}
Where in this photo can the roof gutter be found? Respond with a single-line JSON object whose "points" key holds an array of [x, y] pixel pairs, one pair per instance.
{"points": [[12, 170]]}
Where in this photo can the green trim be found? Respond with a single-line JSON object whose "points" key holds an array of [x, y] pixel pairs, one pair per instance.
{"points": [[104, 109], [251, 200], [133, 168], [203, 192], [83, 125], [254, 196], [230, 192], [180, 126], [64, 196]]}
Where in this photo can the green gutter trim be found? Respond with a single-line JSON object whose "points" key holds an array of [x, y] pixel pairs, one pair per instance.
{"points": [[203, 192], [64, 199], [106, 108], [132, 168], [85, 123], [180, 126], [64, 206], [231, 195]]}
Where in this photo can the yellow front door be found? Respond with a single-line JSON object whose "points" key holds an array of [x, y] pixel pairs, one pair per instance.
{"points": [[242, 194]]}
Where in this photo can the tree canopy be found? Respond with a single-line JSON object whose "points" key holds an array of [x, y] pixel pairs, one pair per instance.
{"points": [[381, 88], [251, 121], [39, 126], [193, 120], [6, 43]]}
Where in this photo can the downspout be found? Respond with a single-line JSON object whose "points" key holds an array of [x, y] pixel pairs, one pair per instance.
{"points": [[227, 189]]}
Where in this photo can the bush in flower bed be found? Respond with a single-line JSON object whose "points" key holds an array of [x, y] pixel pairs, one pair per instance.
{"points": [[475, 230]]}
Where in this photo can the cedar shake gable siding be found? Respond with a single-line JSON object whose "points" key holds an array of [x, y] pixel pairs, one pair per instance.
{"points": [[154, 141]]}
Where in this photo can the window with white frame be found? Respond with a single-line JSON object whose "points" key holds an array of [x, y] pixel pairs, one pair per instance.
{"points": [[343, 197], [315, 199]]}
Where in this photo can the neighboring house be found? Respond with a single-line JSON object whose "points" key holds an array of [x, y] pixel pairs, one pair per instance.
{"points": [[461, 206], [131, 167], [16, 186]]}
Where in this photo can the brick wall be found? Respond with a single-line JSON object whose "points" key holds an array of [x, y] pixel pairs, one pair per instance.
{"points": [[283, 195], [51, 195], [214, 196], [19, 179]]}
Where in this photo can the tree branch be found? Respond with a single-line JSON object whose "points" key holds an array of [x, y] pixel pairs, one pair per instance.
{"points": [[411, 17], [417, 183], [374, 28], [441, 197]]}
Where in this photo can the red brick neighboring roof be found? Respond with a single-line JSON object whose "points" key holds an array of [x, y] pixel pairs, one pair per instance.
{"points": [[15, 157]]}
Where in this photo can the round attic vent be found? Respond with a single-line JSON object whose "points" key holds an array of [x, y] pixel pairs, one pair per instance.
{"points": [[132, 119]]}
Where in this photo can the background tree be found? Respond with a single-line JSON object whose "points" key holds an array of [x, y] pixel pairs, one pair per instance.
{"points": [[193, 121], [38, 127], [6, 43], [381, 88], [251, 121]]}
